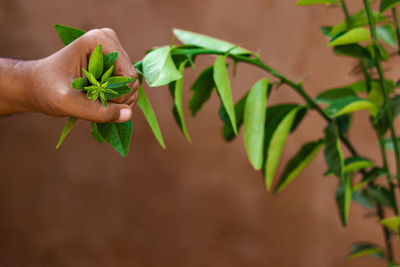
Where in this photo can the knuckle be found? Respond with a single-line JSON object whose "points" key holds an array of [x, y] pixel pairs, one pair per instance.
{"points": [[94, 35], [110, 32]]}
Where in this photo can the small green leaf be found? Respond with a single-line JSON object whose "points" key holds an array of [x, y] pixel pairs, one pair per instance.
{"points": [[191, 38], [392, 223], [89, 76], [387, 35], [353, 36], [352, 50], [68, 34], [65, 131], [329, 96], [326, 30], [159, 68], [344, 123], [148, 112], [369, 177], [333, 152], [361, 199], [387, 4], [298, 163], [221, 79], [118, 135], [316, 2], [118, 81], [350, 104], [343, 197], [123, 90], [107, 74], [254, 122], [96, 62], [362, 249], [96, 134], [176, 90], [227, 130], [79, 83], [380, 195], [276, 138], [356, 163], [202, 89], [109, 60]]}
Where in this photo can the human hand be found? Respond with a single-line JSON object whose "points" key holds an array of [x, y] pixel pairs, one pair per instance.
{"points": [[48, 81]]}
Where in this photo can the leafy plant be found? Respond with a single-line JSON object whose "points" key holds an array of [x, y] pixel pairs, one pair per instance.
{"points": [[364, 36]]}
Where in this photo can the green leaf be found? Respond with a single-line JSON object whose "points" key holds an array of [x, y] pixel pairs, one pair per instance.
{"points": [[227, 130], [118, 81], [145, 106], [96, 62], [109, 60], [65, 131], [352, 50], [68, 34], [333, 152], [392, 223], [362, 200], [343, 197], [176, 91], [369, 177], [356, 163], [191, 38], [315, 2], [350, 104], [107, 74], [298, 163], [387, 4], [362, 249], [330, 96], [96, 134], [221, 79], [79, 83], [118, 135], [353, 36], [387, 35], [326, 30], [123, 90], [89, 76], [357, 20], [389, 143], [254, 122], [159, 68], [202, 89], [276, 137], [383, 54], [344, 122], [380, 195]]}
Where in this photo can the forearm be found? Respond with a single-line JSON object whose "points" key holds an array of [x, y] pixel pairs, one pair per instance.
{"points": [[15, 76]]}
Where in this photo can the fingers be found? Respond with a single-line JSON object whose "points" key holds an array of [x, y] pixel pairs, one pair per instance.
{"points": [[79, 106]]}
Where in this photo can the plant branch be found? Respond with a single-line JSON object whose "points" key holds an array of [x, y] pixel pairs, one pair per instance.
{"points": [[378, 65], [396, 25], [346, 14]]}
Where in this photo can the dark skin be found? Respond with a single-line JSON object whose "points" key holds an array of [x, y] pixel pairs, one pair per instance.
{"points": [[44, 85]]}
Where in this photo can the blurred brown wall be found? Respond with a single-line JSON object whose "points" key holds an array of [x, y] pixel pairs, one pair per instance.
{"points": [[197, 204]]}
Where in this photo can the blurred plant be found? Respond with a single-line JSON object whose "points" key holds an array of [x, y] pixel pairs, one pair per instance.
{"points": [[361, 36]]}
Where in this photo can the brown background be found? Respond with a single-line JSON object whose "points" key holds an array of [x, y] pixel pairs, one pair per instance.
{"points": [[197, 204]]}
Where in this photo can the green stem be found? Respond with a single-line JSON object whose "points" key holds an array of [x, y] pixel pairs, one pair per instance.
{"points": [[396, 25], [387, 105], [346, 14], [387, 234]]}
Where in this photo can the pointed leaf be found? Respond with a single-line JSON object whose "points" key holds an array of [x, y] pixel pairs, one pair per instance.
{"points": [[202, 89], [361, 199], [118, 81], [159, 68], [96, 134], [79, 83], [298, 163], [96, 62], [392, 223], [107, 74], [316, 2], [333, 152], [352, 50], [353, 36], [118, 135], [227, 130], [221, 79], [350, 104], [387, 35], [254, 122], [68, 34], [387, 4], [276, 141], [362, 249], [380, 195], [343, 197], [121, 91], [145, 106], [109, 60], [369, 177], [191, 38], [65, 131]]}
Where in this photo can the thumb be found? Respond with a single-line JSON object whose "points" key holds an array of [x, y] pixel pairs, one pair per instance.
{"points": [[81, 107]]}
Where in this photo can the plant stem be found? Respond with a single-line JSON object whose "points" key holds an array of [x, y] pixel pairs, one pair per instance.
{"points": [[396, 25], [387, 235], [378, 65], [346, 14]]}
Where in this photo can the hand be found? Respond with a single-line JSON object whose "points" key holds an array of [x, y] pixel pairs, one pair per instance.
{"points": [[45, 85]]}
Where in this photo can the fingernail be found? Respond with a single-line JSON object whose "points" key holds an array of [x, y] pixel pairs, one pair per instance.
{"points": [[125, 114]]}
